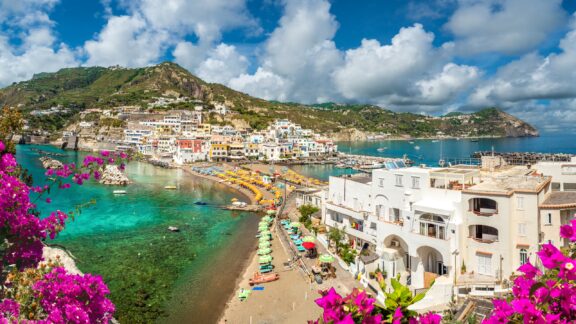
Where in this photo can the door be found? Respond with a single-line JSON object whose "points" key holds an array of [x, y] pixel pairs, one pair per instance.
{"points": [[484, 264]]}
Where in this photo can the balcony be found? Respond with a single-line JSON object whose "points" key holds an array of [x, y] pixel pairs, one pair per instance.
{"points": [[345, 210], [483, 234], [483, 206]]}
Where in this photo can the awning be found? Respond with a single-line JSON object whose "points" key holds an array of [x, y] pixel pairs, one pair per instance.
{"points": [[433, 206]]}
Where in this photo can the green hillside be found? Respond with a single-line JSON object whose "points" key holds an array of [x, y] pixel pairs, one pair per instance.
{"points": [[98, 87]]}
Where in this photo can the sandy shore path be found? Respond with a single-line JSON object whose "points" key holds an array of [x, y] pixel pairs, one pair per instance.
{"points": [[288, 300]]}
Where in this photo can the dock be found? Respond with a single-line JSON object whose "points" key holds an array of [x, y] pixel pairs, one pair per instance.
{"points": [[248, 208]]}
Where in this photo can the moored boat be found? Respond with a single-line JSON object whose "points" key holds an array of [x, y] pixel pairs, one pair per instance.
{"points": [[170, 187], [119, 192]]}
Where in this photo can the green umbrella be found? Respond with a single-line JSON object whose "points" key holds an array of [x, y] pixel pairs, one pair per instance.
{"points": [[264, 238], [264, 244], [326, 258], [308, 239], [266, 219], [264, 251], [271, 212], [294, 224], [263, 228], [264, 223], [265, 232], [265, 259]]}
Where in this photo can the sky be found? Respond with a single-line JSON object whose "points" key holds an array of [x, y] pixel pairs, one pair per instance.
{"points": [[422, 56]]}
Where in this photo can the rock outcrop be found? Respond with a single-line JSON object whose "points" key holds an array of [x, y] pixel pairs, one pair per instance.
{"points": [[113, 176], [49, 163]]}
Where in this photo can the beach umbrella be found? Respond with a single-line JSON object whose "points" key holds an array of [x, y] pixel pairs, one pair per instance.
{"points": [[264, 238], [295, 224], [265, 259], [264, 244], [263, 223], [262, 229], [266, 232], [308, 239], [326, 258], [234, 199], [271, 212], [264, 251], [266, 219], [308, 245]]}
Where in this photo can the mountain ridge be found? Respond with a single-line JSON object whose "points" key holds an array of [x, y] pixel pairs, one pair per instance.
{"points": [[100, 87]]}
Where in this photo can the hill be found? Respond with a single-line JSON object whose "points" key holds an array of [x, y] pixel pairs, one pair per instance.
{"points": [[80, 88]]}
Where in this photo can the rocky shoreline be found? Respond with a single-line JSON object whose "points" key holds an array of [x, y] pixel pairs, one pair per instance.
{"points": [[114, 177]]}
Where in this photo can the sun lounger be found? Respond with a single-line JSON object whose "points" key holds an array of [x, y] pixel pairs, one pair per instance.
{"points": [[300, 248]]}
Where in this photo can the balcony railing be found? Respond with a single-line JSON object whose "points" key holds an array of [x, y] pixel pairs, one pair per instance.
{"points": [[485, 211]]}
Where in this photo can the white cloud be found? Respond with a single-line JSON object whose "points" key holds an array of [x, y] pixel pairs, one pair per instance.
{"points": [[263, 84], [223, 64], [126, 40], [38, 50], [16, 66], [299, 55], [205, 18], [504, 26], [533, 77]]}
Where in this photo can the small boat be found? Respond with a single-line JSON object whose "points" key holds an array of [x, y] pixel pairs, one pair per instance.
{"points": [[434, 141], [119, 192], [381, 149], [170, 187], [263, 278], [474, 140], [411, 142], [416, 147], [173, 229], [200, 203]]}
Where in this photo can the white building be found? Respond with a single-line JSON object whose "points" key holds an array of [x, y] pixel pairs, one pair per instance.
{"points": [[425, 223]]}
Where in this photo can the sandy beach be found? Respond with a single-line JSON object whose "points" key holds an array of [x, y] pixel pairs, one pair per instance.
{"points": [[288, 300]]}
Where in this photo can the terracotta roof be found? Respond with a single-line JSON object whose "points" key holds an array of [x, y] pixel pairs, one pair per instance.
{"points": [[560, 200]]}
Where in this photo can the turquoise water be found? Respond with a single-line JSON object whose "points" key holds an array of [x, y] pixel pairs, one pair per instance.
{"points": [[430, 152], [125, 238], [320, 171]]}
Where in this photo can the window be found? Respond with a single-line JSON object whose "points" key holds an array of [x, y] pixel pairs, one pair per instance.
{"points": [[569, 186], [399, 180], [519, 202], [373, 226], [381, 182], [522, 229], [548, 220], [555, 186], [523, 256], [415, 182]]}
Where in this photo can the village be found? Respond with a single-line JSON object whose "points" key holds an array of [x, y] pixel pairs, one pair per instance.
{"points": [[186, 136]]}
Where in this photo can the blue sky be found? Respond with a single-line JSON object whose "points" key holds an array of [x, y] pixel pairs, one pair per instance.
{"points": [[422, 56]]}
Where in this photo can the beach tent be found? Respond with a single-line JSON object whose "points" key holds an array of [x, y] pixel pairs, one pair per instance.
{"points": [[264, 251], [265, 259], [326, 258], [308, 245], [308, 239]]}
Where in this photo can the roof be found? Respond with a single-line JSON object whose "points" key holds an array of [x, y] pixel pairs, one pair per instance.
{"points": [[433, 206], [560, 200], [505, 182]]}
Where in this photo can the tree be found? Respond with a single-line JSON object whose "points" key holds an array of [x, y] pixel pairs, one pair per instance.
{"points": [[335, 235], [10, 124], [306, 211]]}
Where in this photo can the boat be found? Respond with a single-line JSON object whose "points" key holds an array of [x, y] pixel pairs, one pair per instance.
{"points": [[170, 187], [119, 192], [411, 142], [200, 203], [474, 140], [381, 149], [416, 147], [434, 141], [260, 278]]}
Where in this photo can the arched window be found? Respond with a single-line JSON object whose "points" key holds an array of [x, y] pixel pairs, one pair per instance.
{"points": [[523, 256]]}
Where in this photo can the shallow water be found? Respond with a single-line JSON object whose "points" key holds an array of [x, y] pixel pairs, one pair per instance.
{"points": [[125, 238]]}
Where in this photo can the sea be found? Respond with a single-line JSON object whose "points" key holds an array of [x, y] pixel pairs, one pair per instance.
{"points": [[158, 276], [154, 275]]}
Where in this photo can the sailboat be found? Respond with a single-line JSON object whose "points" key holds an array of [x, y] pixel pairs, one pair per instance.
{"points": [[441, 162]]}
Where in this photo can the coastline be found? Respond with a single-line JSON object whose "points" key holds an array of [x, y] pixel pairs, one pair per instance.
{"points": [[402, 138]]}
